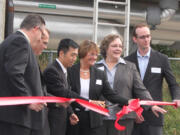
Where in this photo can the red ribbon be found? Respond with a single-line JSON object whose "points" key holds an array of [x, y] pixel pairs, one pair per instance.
{"points": [[147, 102], [135, 106], [4, 101]]}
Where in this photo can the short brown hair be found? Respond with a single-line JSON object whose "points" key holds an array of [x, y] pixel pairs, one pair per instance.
{"points": [[106, 42], [85, 47], [138, 26]]}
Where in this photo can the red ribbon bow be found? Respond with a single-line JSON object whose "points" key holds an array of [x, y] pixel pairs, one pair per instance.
{"points": [[133, 106]]}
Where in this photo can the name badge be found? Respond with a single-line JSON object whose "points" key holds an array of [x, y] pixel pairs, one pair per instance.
{"points": [[99, 82], [156, 70], [101, 68]]}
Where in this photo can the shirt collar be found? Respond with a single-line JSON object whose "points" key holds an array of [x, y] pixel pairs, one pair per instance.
{"points": [[62, 66], [120, 61], [147, 54], [25, 35]]}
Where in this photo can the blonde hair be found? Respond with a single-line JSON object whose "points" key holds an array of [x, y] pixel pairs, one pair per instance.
{"points": [[87, 46]]}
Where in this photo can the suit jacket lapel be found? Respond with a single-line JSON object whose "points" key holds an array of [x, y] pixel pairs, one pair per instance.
{"points": [[92, 82], [148, 69], [59, 69], [77, 78], [43, 82], [136, 60]]}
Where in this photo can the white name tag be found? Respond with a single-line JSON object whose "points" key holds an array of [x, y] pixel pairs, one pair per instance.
{"points": [[99, 82], [101, 68], [156, 70]]}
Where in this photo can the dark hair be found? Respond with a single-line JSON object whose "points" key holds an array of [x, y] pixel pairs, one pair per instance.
{"points": [[32, 21], [65, 44], [107, 41], [134, 34], [85, 47]]}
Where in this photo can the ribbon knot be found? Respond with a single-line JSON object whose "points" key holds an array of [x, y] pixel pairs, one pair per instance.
{"points": [[133, 106]]}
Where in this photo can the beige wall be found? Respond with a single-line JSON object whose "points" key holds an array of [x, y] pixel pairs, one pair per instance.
{"points": [[2, 19]]}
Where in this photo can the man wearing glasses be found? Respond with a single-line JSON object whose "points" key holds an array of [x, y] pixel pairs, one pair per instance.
{"points": [[20, 76], [153, 67]]}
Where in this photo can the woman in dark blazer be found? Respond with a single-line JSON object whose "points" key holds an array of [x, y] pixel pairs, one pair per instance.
{"points": [[91, 83]]}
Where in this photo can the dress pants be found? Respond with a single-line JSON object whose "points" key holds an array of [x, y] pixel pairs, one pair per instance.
{"points": [[83, 126], [146, 129], [57, 120], [14, 129], [109, 129]]}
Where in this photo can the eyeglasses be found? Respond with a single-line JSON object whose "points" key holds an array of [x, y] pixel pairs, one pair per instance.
{"points": [[41, 31], [144, 36]]}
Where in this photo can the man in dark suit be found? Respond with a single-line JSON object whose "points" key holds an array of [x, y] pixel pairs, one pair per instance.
{"points": [[153, 67], [55, 76], [20, 76]]}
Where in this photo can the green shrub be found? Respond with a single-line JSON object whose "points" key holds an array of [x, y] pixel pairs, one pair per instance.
{"points": [[172, 119]]}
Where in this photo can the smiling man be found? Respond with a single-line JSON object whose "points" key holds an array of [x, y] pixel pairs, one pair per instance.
{"points": [[55, 76]]}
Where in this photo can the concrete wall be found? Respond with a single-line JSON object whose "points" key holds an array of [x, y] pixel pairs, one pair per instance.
{"points": [[2, 19]]}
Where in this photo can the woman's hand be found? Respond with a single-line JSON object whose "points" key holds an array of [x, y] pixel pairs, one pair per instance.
{"points": [[139, 119]]}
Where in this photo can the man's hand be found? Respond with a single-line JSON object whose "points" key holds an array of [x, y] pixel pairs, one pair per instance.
{"points": [[177, 102], [155, 109], [139, 119], [37, 106], [73, 119]]}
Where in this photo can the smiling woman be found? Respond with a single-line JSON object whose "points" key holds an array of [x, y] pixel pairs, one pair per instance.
{"points": [[124, 78], [91, 83]]}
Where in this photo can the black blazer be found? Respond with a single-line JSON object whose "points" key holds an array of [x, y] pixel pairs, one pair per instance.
{"points": [[20, 76], [98, 86], [153, 81], [56, 83]]}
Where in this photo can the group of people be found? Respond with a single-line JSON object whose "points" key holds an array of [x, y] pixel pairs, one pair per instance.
{"points": [[111, 82]]}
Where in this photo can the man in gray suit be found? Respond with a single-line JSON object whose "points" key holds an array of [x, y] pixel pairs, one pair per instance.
{"points": [[153, 67], [20, 76]]}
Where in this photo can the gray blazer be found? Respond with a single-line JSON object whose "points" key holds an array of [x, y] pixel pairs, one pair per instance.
{"points": [[128, 82], [153, 81]]}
